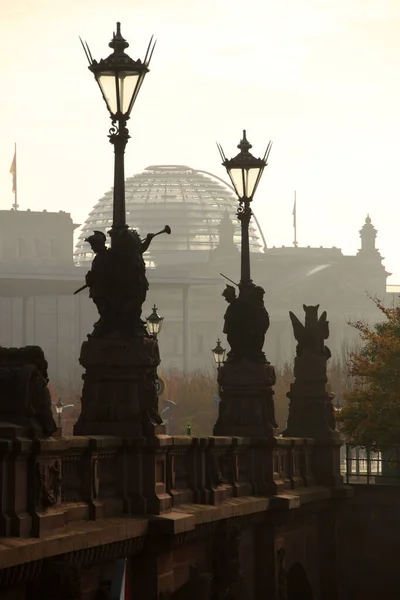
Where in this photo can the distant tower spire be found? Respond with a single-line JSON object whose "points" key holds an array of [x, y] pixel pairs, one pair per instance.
{"points": [[368, 237], [226, 231]]}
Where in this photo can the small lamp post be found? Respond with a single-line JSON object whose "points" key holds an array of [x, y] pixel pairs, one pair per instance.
{"points": [[245, 172], [219, 358], [337, 407], [60, 407], [154, 323], [119, 78], [219, 354], [170, 405], [59, 410]]}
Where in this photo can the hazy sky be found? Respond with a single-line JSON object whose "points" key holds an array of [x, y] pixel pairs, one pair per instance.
{"points": [[319, 78]]}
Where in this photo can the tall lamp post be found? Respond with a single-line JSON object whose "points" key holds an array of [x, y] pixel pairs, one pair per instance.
{"points": [[246, 377], [119, 78], [245, 172], [117, 281]]}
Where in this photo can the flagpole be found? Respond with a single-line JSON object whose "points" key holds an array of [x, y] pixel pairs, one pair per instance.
{"points": [[15, 192], [295, 244]]}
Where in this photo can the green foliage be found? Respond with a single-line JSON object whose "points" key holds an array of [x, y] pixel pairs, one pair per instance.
{"points": [[371, 416]]}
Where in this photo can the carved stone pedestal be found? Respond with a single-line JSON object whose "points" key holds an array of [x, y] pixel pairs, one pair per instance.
{"points": [[247, 406], [119, 395], [311, 412]]}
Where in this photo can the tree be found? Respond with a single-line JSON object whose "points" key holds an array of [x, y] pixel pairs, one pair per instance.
{"points": [[371, 416]]}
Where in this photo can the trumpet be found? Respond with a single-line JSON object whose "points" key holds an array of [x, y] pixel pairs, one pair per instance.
{"points": [[167, 229]]}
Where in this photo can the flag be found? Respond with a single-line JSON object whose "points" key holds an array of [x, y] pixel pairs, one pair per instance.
{"points": [[13, 171], [120, 582]]}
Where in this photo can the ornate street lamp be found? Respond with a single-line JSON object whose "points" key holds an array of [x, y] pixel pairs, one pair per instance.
{"points": [[154, 323], [337, 405], [219, 358], [120, 79], [60, 407], [245, 172], [219, 354]]}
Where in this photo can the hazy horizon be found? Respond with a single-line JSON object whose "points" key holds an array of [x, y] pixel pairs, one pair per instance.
{"points": [[317, 78]]}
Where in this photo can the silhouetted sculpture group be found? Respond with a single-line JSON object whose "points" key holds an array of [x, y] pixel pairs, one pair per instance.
{"points": [[246, 323], [117, 282]]}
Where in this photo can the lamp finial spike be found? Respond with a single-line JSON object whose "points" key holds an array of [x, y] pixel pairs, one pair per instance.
{"points": [[244, 145], [118, 43]]}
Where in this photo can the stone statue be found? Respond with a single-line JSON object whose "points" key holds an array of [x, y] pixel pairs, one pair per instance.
{"points": [[310, 336], [99, 277], [246, 323], [310, 409], [117, 282], [25, 396]]}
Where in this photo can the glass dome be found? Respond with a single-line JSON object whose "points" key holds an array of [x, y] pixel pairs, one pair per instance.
{"points": [[191, 202]]}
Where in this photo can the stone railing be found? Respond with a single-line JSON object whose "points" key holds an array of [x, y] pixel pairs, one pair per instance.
{"points": [[47, 484]]}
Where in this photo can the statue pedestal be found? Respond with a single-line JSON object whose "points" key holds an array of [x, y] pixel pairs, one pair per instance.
{"points": [[119, 396], [247, 406], [311, 413]]}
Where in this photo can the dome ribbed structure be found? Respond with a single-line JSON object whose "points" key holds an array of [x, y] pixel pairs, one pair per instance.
{"points": [[191, 202]]}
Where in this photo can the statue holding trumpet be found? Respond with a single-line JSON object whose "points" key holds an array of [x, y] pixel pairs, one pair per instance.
{"points": [[117, 281]]}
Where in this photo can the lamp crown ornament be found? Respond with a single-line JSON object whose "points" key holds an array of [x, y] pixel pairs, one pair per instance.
{"points": [[118, 42], [244, 145]]}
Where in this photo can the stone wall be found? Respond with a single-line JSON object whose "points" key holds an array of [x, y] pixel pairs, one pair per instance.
{"points": [[369, 543]]}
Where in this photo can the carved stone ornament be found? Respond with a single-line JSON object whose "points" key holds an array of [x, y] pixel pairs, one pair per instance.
{"points": [[48, 482], [25, 396], [311, 336]]}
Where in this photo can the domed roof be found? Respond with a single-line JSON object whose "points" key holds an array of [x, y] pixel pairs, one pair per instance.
{"points": [[191, 202]]}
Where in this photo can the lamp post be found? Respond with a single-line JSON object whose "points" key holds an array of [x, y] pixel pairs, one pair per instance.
{"points": [[117, 281], [219, 358], [245, 172], [337, 407], [219, 354], [119, 78], [60, 407], [246, 377], [154, 323]]}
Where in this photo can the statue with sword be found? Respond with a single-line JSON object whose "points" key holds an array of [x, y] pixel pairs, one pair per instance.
{"points": [[117, 281]]}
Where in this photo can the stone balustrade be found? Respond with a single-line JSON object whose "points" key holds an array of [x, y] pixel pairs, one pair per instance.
{"points": [[46, 484]]}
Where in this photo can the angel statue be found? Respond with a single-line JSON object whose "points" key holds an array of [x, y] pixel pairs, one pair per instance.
{"points": [[310, 336]]}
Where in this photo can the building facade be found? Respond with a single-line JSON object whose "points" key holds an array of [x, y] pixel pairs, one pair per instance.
{"points": [[40, 271]]}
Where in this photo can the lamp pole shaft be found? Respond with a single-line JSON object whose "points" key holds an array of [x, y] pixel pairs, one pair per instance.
{"points": [[244, 215], [119, 139]]}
